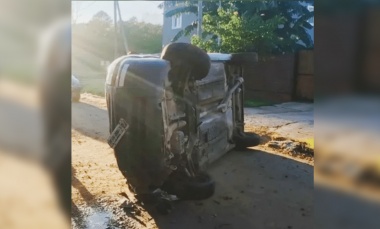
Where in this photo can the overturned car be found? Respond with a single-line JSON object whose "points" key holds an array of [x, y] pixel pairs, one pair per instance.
{"points": [[171, 116]]}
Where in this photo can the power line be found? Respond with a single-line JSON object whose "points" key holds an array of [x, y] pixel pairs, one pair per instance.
{"points": [[79, 9], [88, 6]]}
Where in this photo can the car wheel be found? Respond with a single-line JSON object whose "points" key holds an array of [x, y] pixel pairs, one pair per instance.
{"points": [[164, 207], [184, 54], [245, 140], [185, 188]]}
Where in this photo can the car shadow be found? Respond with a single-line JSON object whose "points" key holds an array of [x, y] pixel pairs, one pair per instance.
{"points": [[90, 121], [87, 196], [254, 189]]}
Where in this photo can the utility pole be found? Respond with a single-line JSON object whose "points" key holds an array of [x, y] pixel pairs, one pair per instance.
{"points": [[115, 24], [200, 14], [122, 29], [220, 7]]}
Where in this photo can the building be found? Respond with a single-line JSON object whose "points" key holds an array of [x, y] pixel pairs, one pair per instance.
{"points": [[172, 25]]}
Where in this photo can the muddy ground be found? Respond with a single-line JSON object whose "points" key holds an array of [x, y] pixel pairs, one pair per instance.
{"points": [[256, 188]]}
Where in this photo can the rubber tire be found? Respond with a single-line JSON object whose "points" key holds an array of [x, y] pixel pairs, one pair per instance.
{"points": [[164, 207], [184, 54], [246, 140], [199, 188]]}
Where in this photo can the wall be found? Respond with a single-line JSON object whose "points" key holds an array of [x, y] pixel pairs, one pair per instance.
{"points": [[271, 80], [336, 53], [168, 33], [370, 52], [348, 51], [281, 79], [305, 76]]}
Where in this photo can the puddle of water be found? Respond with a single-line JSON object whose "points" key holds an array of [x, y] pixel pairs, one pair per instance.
{"points": [[98, 219]]}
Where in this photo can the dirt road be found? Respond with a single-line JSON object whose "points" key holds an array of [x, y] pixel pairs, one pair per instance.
{"points": [[255, 188]]}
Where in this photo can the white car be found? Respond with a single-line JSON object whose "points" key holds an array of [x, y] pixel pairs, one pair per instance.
{"points": [[76, 88]]}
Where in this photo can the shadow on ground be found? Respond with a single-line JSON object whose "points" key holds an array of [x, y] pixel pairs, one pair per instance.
{"points": [[254, 189], [336, 209], [90, 121], [77, 184]]}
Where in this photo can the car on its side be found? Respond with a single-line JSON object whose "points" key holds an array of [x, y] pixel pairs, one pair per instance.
{"points": [[171, 116]]}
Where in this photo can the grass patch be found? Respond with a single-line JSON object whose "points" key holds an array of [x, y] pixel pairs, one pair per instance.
{"points": [[93, 83], [95, 87]]}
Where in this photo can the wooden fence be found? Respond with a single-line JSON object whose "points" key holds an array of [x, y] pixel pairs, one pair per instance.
{"points": [[281, 79]]}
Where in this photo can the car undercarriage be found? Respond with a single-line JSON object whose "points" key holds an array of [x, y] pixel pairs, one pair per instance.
{"points": [[169, 118]]}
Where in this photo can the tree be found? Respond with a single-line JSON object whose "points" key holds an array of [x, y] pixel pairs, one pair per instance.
{"points": [[93, 42], [292, 32], [239, 33], [103, 17], [100, 23], [143, 37]]}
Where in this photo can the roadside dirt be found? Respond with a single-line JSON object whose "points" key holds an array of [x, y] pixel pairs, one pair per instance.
{"points": [[256, 188], [272, 141]]}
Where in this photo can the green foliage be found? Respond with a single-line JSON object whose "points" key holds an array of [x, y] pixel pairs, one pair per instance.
{"points": [[101, 19], [143, 37], [257, 103], [239, 33], [292, 34], [93, 42]]}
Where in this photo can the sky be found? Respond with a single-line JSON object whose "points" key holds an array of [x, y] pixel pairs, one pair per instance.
{"points": [[146, 11]]}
